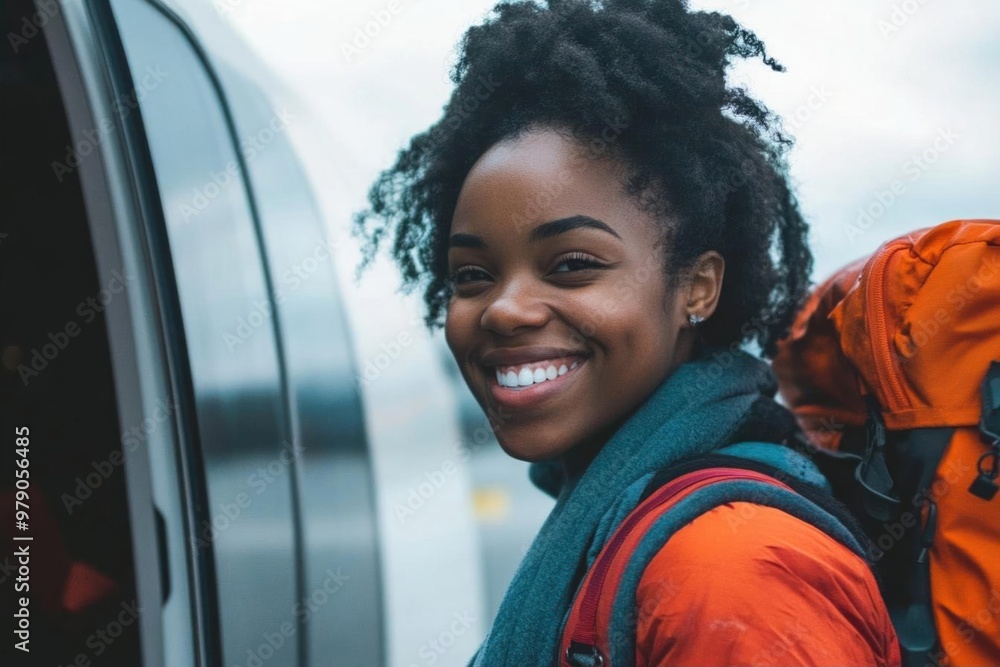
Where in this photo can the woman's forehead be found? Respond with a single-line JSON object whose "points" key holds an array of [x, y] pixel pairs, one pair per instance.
{"points": [[536, 170], [539, 149]]}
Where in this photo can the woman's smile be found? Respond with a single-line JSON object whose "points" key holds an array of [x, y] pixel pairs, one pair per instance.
{"points": [[530, 385]]}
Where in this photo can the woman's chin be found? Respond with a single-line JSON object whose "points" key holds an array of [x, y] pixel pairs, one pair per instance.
{"points": [[530, 450]]}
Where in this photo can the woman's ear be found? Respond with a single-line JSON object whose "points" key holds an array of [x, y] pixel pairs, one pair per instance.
{"points": [[704, 286]]}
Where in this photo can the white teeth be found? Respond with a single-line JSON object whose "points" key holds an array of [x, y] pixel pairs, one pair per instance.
{"points": [[527, 376]]}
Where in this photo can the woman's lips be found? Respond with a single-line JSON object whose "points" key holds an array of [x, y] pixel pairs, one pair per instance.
{"points": [[519, 398]]}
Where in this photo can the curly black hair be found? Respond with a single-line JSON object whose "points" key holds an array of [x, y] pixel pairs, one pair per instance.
{"points": [[706, 158]]}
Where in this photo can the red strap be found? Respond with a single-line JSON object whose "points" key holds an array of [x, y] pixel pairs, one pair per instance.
{"points": [[582, 629]]}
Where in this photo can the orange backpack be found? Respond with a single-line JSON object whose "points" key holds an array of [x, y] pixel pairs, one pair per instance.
{"points": [[892, 368]]}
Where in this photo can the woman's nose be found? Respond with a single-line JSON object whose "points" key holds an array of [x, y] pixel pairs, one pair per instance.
{"points": [[516, 306]]}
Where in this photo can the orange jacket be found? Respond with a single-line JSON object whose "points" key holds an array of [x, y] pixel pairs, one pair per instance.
{"points": [[746, 584]]}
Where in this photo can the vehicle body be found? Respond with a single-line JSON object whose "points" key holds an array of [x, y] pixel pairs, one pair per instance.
{"points": [[292, 484]]}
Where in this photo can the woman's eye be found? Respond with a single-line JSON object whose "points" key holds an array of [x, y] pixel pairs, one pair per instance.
{"points": [[577, 263], [467, 274]]}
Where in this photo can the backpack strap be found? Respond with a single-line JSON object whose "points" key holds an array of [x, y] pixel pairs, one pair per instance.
{"points": [[903, 544], [600, 628]]}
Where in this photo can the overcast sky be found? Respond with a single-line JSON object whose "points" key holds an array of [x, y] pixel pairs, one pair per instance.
{"points": [[895, 105]]}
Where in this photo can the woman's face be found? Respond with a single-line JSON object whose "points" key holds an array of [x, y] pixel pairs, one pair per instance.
{"points": [[561, 320]]}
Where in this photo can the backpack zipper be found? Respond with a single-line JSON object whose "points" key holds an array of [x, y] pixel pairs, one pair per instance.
{"points": [[884, 362]]}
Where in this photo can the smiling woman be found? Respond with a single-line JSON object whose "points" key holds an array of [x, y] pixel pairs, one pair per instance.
{"points": [[599, 233], [561, 298]]}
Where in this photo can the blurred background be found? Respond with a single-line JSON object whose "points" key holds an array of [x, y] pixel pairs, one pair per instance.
{"points": [[311, 482]]}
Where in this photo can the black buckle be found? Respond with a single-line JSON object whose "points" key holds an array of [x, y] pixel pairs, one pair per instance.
{"points": [[988, 466], [873, 473], [583, 655]]}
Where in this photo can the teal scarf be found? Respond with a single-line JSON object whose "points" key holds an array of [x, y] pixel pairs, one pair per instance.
{"points": [[700, 407]]}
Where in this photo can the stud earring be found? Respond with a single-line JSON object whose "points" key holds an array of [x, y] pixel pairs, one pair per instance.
{"points": [[694, 320]]}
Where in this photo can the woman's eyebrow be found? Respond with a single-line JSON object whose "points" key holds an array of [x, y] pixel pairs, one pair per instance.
{"points": [[542, 231], [466, 241], [563, 225]]}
